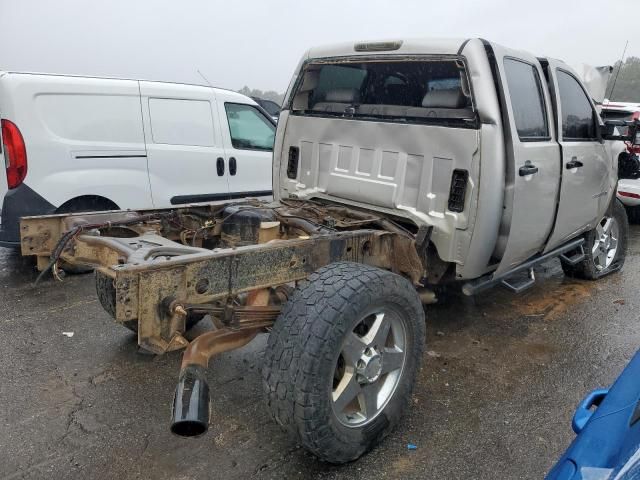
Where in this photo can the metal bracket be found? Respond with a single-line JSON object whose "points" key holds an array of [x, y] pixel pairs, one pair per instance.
{"points": [[522, 284], [577, 257]]}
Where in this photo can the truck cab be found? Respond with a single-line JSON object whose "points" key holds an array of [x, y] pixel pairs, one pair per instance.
{"points": [[498, 150]]}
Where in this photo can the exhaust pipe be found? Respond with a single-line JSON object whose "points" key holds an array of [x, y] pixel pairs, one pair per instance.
{"points": [[190, 414]]}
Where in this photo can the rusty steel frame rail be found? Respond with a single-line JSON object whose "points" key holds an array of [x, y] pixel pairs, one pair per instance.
{"points": [[146, 291], [152, 273]]}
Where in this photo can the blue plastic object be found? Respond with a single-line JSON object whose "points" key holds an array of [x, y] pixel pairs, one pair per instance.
{"points": [[584, 412], [607, 424]]}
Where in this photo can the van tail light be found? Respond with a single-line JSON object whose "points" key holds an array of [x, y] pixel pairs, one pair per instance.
{"points": [[15, 154]]}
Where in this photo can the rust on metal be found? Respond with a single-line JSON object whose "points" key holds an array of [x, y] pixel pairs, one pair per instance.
{"points": [[202, 259], [209, 344]]}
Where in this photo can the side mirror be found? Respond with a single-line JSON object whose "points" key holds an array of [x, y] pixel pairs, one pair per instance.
{"points": [[608, 131]]}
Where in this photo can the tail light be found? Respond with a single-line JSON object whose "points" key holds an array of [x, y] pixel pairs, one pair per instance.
{"points": [[15, 154]]}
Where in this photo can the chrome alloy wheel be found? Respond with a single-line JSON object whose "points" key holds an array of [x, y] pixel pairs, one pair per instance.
{"points": [[369, 367], [605, 244]]}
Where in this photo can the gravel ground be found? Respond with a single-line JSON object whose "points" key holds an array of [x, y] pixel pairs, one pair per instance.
{"points": [[501, 377]]}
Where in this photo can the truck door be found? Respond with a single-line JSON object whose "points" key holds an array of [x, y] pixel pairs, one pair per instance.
{"points": [[533, 157], [248, 137], [184, 146], [586, 183]]}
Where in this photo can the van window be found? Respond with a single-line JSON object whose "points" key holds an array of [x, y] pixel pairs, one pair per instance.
{"points": [[181, 122], [249, 128], [578, 121], [417, 91], [527, 100]]}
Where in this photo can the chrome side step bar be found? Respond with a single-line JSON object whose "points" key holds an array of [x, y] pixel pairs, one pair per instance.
{"points": [[487, 281], [576, 258], [522, 284]]}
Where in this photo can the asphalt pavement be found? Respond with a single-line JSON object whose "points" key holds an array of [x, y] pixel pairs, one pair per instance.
{"points": [[501, 377]]}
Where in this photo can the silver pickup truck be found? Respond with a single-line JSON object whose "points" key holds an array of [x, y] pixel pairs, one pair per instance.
{"points": [[398, 166]]}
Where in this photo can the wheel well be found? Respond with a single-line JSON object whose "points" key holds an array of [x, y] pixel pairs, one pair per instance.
{"points": [[87, 203]]}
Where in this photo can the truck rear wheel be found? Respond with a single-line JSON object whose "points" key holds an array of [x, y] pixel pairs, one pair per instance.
{"points": [[342, 359], [106, 291], [605, 246]]}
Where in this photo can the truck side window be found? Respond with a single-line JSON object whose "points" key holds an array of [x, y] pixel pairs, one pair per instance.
{"points": [[577, 114], [249, 128], [527, 100]]}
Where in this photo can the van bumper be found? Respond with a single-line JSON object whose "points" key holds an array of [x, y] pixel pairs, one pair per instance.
{"points": [[20, 202]]}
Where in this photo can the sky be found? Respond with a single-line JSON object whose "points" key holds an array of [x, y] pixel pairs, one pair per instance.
{"points": [[259, 43]]}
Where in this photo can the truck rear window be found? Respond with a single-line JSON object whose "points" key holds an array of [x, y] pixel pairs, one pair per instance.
{"points": [[398, 90]]}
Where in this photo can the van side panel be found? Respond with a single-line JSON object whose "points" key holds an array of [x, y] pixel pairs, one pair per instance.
{"points": [[3, 177], [83, 137]]}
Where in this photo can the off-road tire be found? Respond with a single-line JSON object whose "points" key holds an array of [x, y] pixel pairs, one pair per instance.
{"points": [[106, 291], [304, 346], [586, 269]]}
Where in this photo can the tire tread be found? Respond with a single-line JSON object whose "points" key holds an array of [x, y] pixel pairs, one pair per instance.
{"points": [[306, 322]]}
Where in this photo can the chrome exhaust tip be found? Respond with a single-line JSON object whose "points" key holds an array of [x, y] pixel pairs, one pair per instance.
{"points": [[190, 413]]}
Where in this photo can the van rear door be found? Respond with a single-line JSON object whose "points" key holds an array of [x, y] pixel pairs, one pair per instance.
{"points": [[184, 146], [3, 177], [533, 157], [3, 160]]}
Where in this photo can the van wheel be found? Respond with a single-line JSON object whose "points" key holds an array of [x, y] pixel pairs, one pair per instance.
{"points": [[88, 203], [605, 246], [342, 359], [106, 291]]}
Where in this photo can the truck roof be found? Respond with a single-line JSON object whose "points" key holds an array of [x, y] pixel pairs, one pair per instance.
{"points": [[445, 46], [97, 77], [416, 46]]}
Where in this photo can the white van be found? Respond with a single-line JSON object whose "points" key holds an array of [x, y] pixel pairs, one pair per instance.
{"points": [[75, 143]]}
